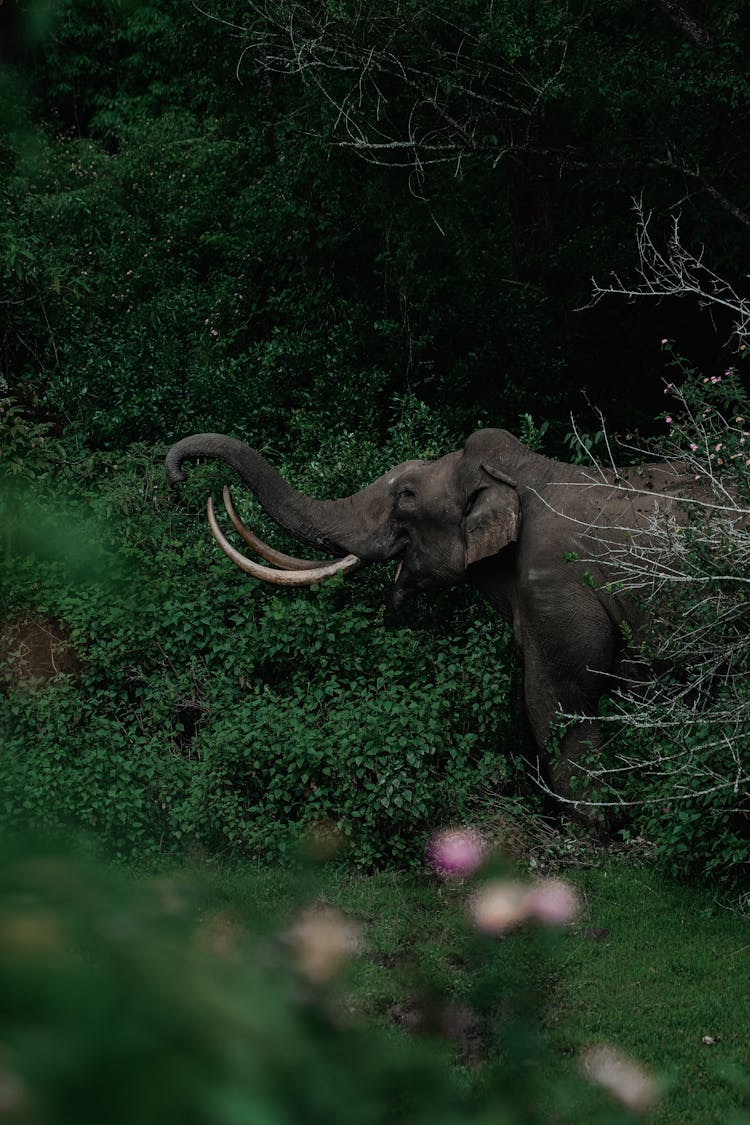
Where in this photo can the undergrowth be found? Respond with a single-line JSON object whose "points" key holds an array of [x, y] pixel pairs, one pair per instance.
{"points": [[210, 713]]}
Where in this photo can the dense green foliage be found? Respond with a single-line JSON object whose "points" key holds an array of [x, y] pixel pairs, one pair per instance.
{"points": [[211, 713]]}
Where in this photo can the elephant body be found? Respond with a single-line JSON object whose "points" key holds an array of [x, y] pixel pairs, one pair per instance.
{"points": [[541, 540]]}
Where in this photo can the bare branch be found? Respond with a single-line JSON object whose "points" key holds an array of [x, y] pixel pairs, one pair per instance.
{"points": [[671, 270], [685, 574], [455, 96], [685, 22]]}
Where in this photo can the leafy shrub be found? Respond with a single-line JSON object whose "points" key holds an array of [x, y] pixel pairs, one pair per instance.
{"points": [[148, 300], [380, 743], [210, 712]]}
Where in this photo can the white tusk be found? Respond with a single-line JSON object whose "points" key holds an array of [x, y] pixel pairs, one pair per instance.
{"points": [[278, 577], [286, 562]]}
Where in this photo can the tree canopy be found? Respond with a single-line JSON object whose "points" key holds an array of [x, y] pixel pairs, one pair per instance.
{"points": [[238, 215]]}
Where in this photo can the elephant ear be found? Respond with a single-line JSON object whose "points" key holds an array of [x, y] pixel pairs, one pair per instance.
{"points": [[493, 521]]}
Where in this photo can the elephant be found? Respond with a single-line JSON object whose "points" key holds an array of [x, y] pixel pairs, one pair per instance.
{"points": [[539, 538]]}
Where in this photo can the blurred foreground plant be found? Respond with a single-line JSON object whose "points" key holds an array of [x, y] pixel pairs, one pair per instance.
{"points": [[144, 1002]]}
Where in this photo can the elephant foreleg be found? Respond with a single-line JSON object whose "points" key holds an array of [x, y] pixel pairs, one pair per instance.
{"points": [[567, 766], [553, 691]]}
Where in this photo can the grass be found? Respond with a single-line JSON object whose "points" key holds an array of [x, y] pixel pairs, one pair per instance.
{"points": [[651, 967], [669, 970]]}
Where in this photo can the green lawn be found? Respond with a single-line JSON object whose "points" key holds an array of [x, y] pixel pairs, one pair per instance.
{"points": [[651, 966], [190, 995], [671, 969]]}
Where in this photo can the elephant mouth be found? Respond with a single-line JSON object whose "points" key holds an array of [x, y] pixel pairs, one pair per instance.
{"points": [[404, 583]]}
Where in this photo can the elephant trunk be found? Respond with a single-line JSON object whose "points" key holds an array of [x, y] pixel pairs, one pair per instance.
{"points": [[336, 526]]}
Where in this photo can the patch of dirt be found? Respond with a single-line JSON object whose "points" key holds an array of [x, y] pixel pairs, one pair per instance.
{"points": [[35, 649], [457, 1023]]}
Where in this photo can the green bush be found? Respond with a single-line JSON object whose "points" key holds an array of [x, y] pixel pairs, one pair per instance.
{"points": [[164, 272], [210, 712], [378, 741]]}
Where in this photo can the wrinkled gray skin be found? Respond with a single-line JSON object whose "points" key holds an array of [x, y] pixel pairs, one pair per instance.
{"points": [[504, 519]]}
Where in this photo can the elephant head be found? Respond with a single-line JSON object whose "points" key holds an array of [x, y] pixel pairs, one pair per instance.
{"points": [[436, 519]]}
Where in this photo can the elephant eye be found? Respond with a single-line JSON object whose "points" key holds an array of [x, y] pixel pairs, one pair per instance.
{"points": [[405, 494]]}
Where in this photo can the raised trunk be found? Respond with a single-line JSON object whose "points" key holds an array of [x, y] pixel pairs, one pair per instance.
{"points": [[339, 527]]}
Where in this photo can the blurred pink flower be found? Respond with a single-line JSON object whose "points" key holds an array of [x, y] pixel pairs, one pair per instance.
{"points": [[668, 419], [553, 902], [499, 905], [324, 939], [693, 446], [611, 1068], [456, 852]]}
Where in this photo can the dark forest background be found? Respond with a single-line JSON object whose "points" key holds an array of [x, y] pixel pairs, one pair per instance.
{"points": [[223, 217]]}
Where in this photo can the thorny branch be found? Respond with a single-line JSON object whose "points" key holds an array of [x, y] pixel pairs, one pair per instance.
{"points": [[687, 571], [671, 270]]}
